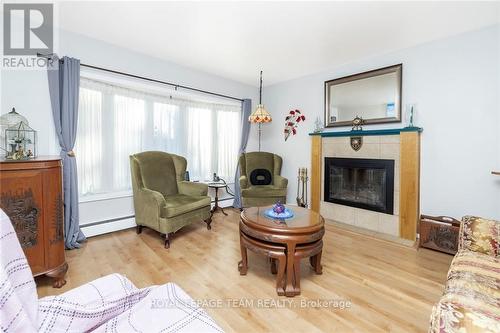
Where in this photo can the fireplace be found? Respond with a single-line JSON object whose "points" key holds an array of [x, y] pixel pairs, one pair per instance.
{"points": [[361, 183]]}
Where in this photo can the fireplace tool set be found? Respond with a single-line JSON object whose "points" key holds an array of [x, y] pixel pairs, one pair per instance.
{"points": [[302, 180]]}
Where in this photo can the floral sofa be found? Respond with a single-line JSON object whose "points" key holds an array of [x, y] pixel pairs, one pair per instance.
{"points": [[471, 299]]}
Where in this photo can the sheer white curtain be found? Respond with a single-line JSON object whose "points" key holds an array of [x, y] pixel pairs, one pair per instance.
{"points": [[168, 128], [116, 121], [129, 118], [88, 144], [199, 141], [227, 130]]}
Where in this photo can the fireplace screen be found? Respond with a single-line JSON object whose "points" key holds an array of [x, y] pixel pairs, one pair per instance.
{"points": [[361, 183]]}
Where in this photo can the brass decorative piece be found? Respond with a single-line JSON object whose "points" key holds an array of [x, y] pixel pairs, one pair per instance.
{"points": [[356, 142], [23, 212], [357, 123], [302, 180]]}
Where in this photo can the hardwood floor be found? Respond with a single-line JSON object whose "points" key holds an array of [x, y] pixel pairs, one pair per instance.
{"points": [[390, 287]]}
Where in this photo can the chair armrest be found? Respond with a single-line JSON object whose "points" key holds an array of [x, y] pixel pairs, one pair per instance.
{"points": [[479, 235], [192, 189], [280, 181], [243, 182], [148, 199], [153, 197]]}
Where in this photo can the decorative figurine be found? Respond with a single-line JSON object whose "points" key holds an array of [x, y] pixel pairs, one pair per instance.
{"points": [[410, 124], [318, 126], [357, 123], [278, 212], [278, 208]]}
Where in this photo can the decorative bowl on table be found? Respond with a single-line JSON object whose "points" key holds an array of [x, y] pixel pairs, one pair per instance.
{"points": [[278, 211]]}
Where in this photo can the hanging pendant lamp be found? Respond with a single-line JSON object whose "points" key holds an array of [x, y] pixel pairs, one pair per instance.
{"points": [[260, 115]]}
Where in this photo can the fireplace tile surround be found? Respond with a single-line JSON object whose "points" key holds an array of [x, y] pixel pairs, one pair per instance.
{"points": [[379, 144], [374, 147]]}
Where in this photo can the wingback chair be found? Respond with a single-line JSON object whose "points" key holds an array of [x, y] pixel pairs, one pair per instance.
{"points": [[260, 180], [163, 201]]}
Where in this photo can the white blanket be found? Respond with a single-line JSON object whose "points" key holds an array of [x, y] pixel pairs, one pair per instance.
{"points": [[109, 304]]}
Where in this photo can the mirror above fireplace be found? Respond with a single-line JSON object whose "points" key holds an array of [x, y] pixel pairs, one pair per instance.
{"points": [[374, 96]]}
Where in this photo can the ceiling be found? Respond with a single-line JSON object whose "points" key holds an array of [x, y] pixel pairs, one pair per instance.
{"points": [[285, 39]]}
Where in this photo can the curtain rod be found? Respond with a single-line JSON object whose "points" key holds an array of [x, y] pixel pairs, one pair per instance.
{"points": [[49, 56]]}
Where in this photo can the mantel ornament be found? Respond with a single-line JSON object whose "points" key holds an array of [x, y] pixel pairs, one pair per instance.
{"points": [[357, 123], [356, 142]]}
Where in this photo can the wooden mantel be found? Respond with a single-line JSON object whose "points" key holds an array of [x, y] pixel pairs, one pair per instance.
{"points": [[409, 191], [390, 131]]}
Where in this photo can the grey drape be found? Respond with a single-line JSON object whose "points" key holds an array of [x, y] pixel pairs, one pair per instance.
{"points": [[245, 131], [64, 84]]}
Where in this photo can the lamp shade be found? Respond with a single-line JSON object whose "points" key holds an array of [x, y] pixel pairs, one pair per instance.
{"points": [[260, 115]]}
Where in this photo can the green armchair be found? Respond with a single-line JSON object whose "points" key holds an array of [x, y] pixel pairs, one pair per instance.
{"points": [[163, 201], [260, 181]]}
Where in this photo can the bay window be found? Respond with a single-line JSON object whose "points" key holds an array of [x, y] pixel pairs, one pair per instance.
{"points": [[115, 121]]}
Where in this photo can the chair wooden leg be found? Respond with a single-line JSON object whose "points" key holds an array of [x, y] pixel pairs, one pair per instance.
{"points": [[138, 229], [208, 221], [167, 240]]}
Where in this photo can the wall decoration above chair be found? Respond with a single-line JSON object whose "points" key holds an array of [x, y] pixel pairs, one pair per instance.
{"points": [[292, 120]]}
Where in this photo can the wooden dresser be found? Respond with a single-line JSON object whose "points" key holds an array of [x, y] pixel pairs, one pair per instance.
{"points": [[31, 195]]}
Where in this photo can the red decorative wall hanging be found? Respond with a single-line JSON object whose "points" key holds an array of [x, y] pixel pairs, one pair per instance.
{"points": [[292, 120]]}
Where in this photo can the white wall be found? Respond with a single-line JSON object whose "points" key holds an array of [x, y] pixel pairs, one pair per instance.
{"points": [[28, 92], [455, 84]]}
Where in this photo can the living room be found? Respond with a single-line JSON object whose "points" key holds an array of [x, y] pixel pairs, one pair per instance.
{"points": [[250, 166]]}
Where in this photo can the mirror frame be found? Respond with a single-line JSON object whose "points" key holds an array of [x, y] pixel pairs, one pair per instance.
{"points": [[398, 69]]}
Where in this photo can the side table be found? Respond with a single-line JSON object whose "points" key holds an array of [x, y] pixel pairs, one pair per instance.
{"points": [[216, 187]]}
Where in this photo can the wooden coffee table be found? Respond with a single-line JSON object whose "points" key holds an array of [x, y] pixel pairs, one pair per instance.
{"points": [[298, 237]]}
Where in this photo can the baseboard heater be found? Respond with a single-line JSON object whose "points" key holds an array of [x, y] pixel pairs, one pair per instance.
{"points": [[116, 224]]}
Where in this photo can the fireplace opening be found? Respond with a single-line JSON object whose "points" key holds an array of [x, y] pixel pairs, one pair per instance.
{"points": [[361, 183]]}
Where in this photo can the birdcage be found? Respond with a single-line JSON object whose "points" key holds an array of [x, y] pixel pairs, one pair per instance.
{"points": [[20, 140], [6, 121]]}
